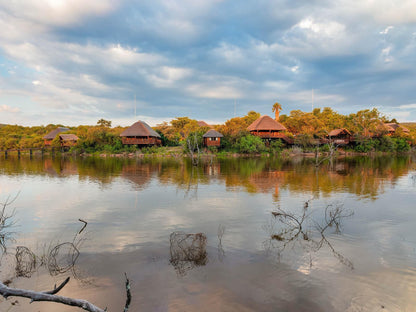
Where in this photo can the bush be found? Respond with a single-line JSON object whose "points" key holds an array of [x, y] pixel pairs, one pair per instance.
{"points": [[401, 145], [364, 144], [386, 144], [250, 144], [276, 146], [304, 140]]}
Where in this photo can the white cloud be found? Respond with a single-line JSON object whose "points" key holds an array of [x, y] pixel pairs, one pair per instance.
{"points": [[386, 30], [166, 76], [214, 91], [408, 106], [58, 12], [385, 54], [294, 69], [8, 109], [329, 29]]}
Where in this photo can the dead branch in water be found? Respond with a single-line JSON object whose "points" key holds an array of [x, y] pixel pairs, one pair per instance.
{"points": [[26, 265], [187, 251], [48, 296], [6, 222], [84, 226], [293, 230]]}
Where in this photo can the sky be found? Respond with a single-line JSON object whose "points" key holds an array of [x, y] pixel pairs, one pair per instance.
{"points": [[75, 62]]}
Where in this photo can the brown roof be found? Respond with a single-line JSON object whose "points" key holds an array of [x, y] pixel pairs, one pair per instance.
{"points": [[392, 127], [68, 137], [51, 135], [140, 128], [202, 123], [212, 134], [336, 132], [266, 123]]}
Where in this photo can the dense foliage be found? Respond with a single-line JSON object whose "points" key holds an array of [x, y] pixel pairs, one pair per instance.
{"points": [[305, 129]]}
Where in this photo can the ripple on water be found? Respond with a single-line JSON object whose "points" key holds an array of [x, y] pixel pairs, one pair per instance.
{"points": [[385, 290]]}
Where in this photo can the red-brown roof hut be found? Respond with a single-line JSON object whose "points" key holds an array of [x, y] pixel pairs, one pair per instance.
{"points": [[47, 139], [140, 133], [266, 127], [68, 140], [212, 138], [340, 136], [392, 127]]}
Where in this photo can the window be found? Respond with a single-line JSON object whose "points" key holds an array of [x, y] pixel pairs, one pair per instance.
{"points": [[212, 139]]}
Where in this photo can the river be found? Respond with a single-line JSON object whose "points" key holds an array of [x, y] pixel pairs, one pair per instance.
{"points": [[243, 234]]}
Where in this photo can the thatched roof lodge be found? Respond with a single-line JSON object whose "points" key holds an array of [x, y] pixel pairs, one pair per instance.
{"points": [[68, 140], [340, 136], [212, 138], [47, 139], [202, 123], [140, 133], [266, 127], [392, 127]]}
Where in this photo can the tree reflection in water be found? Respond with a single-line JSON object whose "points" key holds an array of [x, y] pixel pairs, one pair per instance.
{"points": [[187, 251], [57, 258], [304, 231]]}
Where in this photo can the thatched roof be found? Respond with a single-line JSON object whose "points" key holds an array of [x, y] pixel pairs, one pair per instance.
{"points": [[336, 132], [68, 137], [202, 123], [392, 127], [51, 135], [212, 134], [266, 123], [140, 128]]}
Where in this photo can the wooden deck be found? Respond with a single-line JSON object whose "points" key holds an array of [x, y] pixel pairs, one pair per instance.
{"points": [[141, 140]]}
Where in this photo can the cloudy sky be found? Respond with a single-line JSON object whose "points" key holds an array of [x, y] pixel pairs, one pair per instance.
{"points": [[74, 62]]}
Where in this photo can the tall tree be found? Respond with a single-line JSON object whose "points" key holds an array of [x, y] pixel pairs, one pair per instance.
{"points": [[104, 123], [276, 109]]}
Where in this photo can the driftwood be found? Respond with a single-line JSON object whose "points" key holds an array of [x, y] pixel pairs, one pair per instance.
{"points": [[48, 296], [52, 296]]}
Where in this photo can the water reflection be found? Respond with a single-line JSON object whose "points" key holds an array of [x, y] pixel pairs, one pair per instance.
{"points": [[363, 176], [140, 213], [305, 231], [187, 251]]}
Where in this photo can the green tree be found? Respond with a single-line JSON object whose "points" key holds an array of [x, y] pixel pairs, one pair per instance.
{"points": [[104, 123]]}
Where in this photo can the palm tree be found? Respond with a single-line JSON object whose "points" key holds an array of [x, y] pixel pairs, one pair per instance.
{"points": [[276, 109]]}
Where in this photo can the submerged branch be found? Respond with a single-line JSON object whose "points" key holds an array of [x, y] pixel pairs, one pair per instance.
{"points": [[48, 296]]}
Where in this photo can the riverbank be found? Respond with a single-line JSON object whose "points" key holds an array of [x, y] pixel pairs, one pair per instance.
{"points": [[178, 152]]}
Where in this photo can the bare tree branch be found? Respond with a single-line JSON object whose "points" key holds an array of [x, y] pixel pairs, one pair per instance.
{"points": [[48, 296]]}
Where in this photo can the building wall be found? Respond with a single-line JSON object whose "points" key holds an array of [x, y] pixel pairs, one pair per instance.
{"points": [[141, 141], [212, 142]]}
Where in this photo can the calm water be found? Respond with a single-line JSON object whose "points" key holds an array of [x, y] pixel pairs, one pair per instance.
{"points": [[281, 235]]}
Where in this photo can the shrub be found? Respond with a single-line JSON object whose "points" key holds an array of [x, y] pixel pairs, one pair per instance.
{"points": [[386, 144], [250, 144], [364, 144], [401, 145], [276, 146]]}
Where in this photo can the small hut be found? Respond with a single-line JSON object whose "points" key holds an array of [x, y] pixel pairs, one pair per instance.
{"points": [[340, 136], [392, 128], [47, 139], [68, 140], [212, 138], [140, 133]]}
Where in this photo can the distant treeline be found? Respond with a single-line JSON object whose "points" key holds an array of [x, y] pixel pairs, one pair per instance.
{"points": [[303, 127]]}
